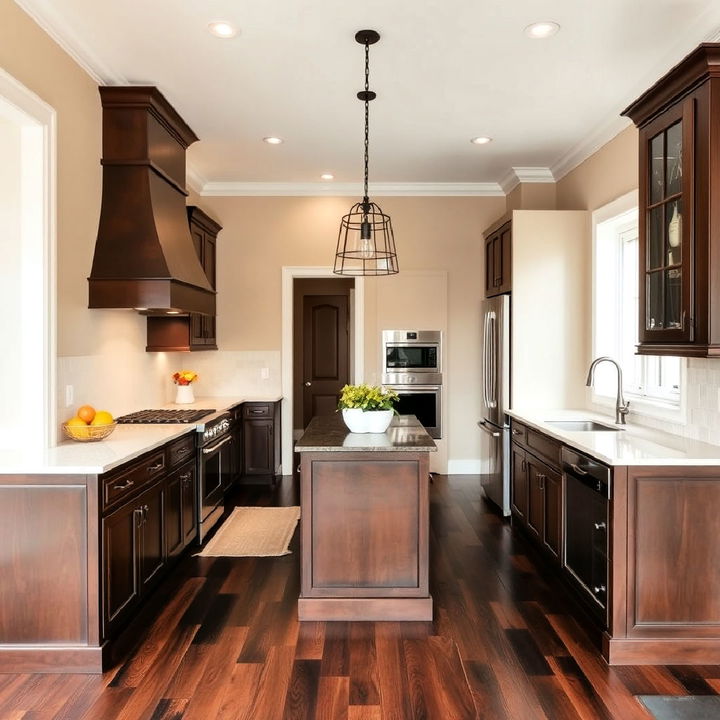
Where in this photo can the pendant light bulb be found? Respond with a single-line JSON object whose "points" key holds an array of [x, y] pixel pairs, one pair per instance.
{"points": [[367, 247]]}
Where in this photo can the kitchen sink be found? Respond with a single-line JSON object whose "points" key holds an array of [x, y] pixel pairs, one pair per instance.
{"points": [[581, 425]]}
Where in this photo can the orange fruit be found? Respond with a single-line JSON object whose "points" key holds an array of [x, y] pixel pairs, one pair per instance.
{"points": [[78, 428], [102, 417], [86, 413]]}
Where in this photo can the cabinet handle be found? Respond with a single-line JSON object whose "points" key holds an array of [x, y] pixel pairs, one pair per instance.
{"points": [[146, 512], [257, 411], [139, 516], [185, 477], [597, 589], [184, 451], [157, 466], [128, 484], [600, 526], [515, 431], [523, 466], [578, 469], [541, 481]]}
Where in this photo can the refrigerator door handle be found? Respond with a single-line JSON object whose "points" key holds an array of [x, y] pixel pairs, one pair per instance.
{"points": [[493, 347], [483, 426], [486, 358]]}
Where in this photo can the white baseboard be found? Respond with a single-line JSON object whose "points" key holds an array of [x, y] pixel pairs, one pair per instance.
{"points": [[464, 467]]}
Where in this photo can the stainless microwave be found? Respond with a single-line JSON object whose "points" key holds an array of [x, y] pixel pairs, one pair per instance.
{"points": [[412, 354]]}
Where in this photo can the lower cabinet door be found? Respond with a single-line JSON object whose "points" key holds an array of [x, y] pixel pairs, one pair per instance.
{"points": [[536, 496], [152, 548], [188, 481], [552, 525], [519, 481], [121, 574], [258, 455], [174, 538]]}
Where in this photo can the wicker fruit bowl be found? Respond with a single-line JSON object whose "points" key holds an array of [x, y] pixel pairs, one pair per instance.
{"points": [[88, 433]]}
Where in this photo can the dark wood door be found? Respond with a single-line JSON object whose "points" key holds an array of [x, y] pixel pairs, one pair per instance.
{"points": [[325, 353], [519, 489], [552, 513], [258, 455], [536, 496], [152, 548], [121, 582], [188, 482], [174, 538]]}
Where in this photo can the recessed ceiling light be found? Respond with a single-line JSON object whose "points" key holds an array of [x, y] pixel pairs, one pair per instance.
{"points": [[222, 29], [542, 30], [482, 140], [272, 140], [327, 176]]}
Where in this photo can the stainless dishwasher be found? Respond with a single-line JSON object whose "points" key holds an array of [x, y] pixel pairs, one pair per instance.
{"points": [[587, 516]]}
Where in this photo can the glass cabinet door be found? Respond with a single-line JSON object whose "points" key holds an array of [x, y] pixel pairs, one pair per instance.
{"points": [[665, 271]]}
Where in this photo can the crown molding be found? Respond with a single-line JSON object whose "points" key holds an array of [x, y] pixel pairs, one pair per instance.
{"points": [[50, 19], [509, 181], [194, 179], [534, 174], [329, 189], [588, 146]]}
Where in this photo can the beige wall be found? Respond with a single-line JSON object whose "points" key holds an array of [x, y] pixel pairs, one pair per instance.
{"points": [[607, 174]]}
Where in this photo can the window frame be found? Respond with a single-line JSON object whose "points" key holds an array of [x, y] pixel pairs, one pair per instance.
{"points": [[667, 406]]}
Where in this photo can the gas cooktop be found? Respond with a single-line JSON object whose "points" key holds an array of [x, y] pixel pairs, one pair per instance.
{"points": [[163, 417]]}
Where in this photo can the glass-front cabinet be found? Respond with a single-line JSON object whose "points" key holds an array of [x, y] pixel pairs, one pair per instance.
{"points": [[665, 238], [678, 121]]}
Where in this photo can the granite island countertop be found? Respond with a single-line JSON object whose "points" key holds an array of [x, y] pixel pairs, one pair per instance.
{"points": [[330, 434]]}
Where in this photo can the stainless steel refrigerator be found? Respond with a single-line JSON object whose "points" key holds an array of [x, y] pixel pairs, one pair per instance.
{"points": [[495, 387]]}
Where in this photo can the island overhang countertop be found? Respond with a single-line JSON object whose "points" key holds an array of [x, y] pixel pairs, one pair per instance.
{"points": [[329, 433]]}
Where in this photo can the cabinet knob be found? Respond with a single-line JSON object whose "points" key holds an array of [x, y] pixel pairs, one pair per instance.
{"points": [[600, 526], [598, 589], [308, 383]]}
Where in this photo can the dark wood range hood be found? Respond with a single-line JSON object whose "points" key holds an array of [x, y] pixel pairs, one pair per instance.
{"points": [[144, 254]]}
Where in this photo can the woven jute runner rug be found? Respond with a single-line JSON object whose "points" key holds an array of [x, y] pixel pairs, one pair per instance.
{"points": [[254, 532]]}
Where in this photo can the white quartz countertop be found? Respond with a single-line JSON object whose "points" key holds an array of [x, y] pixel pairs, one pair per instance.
{"points": [[632, 445], [125, 443]]}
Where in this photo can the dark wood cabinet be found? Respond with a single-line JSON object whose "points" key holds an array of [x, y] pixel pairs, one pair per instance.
{"points": [[133, 553], [498, 260], [193, 331], [261, 440], [519, 484], [180, 509], [537, 487], [679, 215]]}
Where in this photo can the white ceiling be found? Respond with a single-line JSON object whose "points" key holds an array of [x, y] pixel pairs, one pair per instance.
{"points": [[444, 71]]}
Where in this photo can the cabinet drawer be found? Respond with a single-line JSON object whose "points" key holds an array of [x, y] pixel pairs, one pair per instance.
{"points": [[126, 481], [181, 450], [544, 447], [258, 410], [518, 431]]}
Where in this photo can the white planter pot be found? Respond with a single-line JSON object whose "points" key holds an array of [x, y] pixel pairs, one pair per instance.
{"points": [[361, 421], [184, 395]]}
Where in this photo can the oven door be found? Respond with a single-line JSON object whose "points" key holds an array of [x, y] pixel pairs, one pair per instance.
{"points": [[214, 463], [415, 357], [423, 401]]}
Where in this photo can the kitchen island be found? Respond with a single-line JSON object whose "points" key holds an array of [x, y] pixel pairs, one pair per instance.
{"points": [[364, 529]]}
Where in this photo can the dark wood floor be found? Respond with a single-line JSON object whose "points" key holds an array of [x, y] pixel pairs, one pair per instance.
{"points": [[227, 644]]}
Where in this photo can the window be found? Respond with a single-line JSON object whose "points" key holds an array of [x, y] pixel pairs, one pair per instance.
{"points": [[648, 382]]}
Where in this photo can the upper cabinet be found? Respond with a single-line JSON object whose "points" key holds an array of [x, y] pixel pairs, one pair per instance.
{"points": [[192, 331], [678, 120], [498, 249]]}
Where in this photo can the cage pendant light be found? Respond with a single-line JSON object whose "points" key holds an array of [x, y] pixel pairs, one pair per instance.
{"points": [[366, 245]]}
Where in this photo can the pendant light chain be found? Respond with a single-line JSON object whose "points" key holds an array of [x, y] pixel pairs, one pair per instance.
{"points": [[367, 119]]}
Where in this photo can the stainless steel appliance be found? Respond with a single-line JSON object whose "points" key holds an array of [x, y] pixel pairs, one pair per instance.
{"points": [[587, 505], [412, 364], [495, 386], [164, 417], [214, 470]]}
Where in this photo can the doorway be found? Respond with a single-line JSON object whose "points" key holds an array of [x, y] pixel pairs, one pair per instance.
{"points": [[322, 346]]}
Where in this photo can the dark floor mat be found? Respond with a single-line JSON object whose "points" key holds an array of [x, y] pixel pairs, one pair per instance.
{"points": [[689, 707]]}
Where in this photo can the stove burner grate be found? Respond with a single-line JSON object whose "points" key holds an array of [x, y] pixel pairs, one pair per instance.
{"points": [[163, 417]]}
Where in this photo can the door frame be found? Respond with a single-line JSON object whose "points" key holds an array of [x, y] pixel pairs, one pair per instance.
{"points": [[289, 273], [38, 123]]}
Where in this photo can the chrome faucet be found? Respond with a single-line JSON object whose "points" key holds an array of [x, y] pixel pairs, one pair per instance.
{"points": [[621, 407]]}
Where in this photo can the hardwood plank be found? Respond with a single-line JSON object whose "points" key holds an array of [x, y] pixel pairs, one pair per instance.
{"points": [[300, 701], [311, 641], [365, 712], [363, 665], [393, 682], [333, 698], [271, 686], [169, 709], [240, 693]]}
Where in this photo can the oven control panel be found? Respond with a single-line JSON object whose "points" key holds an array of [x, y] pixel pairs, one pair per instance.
{"points": [[219, 428]]}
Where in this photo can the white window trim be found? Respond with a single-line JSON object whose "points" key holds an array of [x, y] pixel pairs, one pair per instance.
{"points": [[639, 407]]}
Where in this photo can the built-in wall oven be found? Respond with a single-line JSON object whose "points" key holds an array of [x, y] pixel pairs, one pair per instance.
{"points": [[412, 361], [587, 516]]}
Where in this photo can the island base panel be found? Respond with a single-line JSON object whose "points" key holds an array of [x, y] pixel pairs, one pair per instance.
{"points": [[51, 660], [366, 609], [680, 651]]}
